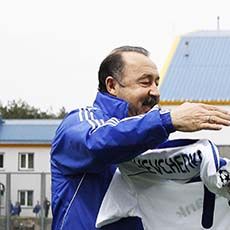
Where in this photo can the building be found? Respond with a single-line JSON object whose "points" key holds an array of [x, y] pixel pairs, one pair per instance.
{"points": [[198, 70], [24, 161]]}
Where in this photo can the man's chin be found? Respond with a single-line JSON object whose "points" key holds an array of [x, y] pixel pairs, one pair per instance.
{"points": [[146, 109]]}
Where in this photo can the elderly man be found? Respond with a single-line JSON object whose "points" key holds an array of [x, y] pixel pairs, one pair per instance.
{"points": [[121, 124]]}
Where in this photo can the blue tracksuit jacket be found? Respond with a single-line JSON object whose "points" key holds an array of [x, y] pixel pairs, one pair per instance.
{"points": [[86, 148]]}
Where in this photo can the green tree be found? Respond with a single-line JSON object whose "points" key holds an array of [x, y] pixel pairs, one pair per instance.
{"points": [[62, 112], [19, 109]]}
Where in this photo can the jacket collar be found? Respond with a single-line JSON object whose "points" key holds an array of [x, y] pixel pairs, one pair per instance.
{"points": [[111, 106]]}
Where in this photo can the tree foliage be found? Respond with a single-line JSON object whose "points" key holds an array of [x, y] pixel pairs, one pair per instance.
{"points": [[18, 109]]}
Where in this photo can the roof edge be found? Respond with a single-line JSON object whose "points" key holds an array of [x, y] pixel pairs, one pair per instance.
{"points": [[169, 58], [24, 145], [208, 33], [178, 102]]}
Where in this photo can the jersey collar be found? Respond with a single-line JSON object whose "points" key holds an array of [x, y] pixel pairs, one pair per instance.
{"points": [[111, 106]]}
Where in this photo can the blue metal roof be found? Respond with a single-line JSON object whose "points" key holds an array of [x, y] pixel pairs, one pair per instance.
{"points": [[28, 131], [199, 69]]}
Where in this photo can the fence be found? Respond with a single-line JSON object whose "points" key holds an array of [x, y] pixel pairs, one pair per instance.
{"points": [[26, 189]]}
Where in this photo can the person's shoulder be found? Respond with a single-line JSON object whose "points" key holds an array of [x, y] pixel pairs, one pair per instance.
{"points": [[82, 114], [71, 118], [78, 116]]}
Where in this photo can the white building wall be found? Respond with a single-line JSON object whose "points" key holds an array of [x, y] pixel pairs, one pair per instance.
{"points": [[41, 158], [26, 179]]}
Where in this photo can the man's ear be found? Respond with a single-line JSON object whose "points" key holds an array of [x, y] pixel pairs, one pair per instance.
{"points": [[111, 83]]}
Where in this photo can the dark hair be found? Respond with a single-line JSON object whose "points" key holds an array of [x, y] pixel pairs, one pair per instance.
{"points": [[113, 64]]}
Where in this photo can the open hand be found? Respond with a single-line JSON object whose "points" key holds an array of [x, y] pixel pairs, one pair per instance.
{"points": [[190, 117]]}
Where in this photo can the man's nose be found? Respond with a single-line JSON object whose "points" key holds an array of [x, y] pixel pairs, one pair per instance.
{"points": [[154, 91]]}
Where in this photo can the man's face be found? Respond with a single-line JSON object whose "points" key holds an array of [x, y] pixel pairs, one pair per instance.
{"points": [[138, 84]]}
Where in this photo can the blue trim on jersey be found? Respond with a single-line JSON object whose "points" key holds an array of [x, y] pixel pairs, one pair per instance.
{"points": [[177, 143], [214, 156], [209, 198], [222, 162]]}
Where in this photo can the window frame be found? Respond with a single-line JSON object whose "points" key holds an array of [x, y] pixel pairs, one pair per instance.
{"points": [[27, 163], [27, 201], [3, 160]]}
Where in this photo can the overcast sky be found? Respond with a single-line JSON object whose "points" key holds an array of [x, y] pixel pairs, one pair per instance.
{"points": [[50, 51]]}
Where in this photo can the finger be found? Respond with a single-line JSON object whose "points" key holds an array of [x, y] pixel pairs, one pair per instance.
{"points": [[214, 108], [209, 126], [217, 116], [218, 120]]}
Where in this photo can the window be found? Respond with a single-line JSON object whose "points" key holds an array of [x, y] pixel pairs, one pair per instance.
{"points": [[1, 160], [25, 197], [26, 161]]}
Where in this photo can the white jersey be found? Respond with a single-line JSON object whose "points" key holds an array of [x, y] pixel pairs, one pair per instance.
{"points": [[156, 186]]}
